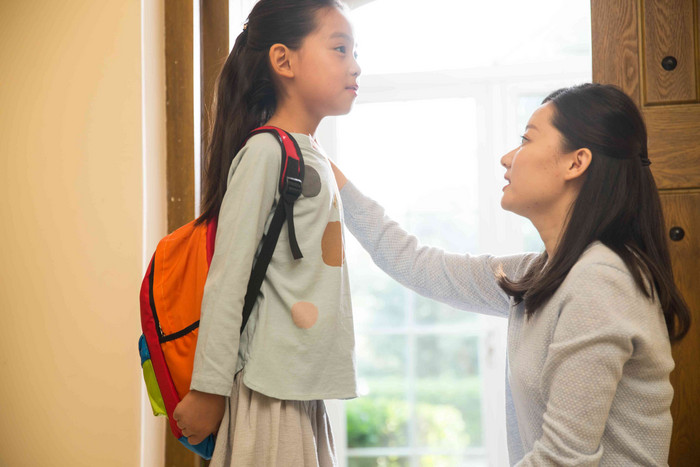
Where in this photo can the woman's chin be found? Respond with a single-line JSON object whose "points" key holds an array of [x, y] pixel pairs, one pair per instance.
{"points": [[505, 205]]}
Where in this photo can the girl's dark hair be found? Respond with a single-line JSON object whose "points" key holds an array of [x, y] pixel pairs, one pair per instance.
{"points": [[618, 204], [246, 95]]}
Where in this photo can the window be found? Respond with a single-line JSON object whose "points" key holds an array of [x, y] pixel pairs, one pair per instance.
{"points": [[446, 90]]}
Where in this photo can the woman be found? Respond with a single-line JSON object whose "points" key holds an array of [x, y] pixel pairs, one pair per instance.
{"points": [[591, 318]]}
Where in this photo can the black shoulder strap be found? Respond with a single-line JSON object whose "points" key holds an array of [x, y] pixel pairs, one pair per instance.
{"points": [[290, 183]]}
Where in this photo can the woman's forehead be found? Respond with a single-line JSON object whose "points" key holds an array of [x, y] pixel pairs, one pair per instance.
{"points": [[541, 117]]}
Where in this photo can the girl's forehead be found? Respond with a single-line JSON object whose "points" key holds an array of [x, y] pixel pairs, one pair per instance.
{"points": [[332, 22]]}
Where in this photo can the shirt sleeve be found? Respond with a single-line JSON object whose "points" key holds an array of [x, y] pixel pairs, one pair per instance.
{"points": [[250, 197], [460, 280], [593, 340]]}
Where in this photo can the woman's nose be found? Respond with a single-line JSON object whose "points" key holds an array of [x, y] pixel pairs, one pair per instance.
{"points": [[507, 158]]}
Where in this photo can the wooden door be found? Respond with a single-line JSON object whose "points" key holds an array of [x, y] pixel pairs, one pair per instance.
{"points": [[650, 49], [179, 42]]}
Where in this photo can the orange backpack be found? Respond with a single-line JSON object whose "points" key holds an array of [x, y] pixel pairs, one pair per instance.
{"points": [[172, 289]]}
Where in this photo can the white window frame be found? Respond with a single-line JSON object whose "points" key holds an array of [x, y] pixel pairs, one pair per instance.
{"points": [[496, 92]]}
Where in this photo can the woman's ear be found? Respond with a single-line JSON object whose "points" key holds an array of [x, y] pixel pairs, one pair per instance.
{"points": [[280, 61], [578, 161]]}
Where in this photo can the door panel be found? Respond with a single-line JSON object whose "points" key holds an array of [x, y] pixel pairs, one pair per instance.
{"points": [[669, 40], [674, 145], [682, 210], [630, 39]]}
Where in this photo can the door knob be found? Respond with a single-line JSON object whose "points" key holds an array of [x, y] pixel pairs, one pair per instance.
{"points": [[676, 234], [669, 63]]}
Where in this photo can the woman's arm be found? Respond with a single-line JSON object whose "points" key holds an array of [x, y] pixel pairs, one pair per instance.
{"points": [[460, 280]]}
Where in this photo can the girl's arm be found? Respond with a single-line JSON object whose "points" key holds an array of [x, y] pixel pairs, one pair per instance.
{"points": [[244, 212], [462, 281]]}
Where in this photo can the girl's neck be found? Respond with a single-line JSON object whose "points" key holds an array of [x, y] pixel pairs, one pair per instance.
{"points": [[294, 121]]}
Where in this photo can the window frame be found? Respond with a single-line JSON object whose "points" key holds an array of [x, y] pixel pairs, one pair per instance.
{"points": [[496, 92]]}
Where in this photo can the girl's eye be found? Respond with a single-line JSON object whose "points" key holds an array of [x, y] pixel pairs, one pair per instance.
{"points": [[355, 55], [523, 139], [340, 49]]}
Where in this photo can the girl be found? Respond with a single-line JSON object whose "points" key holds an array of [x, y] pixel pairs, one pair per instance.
{"points": [[292, 65], [590, 318]]}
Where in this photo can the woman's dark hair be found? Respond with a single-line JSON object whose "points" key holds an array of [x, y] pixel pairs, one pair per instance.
{"points": [[246, 95], [618, 204]]}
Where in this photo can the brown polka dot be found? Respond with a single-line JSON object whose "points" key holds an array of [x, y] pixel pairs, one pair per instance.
{"points": [[332, 245], [304, 314]]}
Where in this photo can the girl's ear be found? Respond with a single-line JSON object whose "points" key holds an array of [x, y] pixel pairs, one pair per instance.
{"points": [[578, 161], [280, 61]]}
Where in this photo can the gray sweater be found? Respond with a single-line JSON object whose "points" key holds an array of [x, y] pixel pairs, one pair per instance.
{"points": [[587, 376], [299, 342]]}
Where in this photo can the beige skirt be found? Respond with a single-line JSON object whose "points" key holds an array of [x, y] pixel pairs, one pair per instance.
{"points": [[262, 431]]}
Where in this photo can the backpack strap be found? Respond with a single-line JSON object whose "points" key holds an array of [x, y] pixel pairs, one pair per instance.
{"points": [[290, 183]]}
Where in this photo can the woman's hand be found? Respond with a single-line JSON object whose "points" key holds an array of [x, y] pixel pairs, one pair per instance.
{"points": [[199, 414], [340, 177]]}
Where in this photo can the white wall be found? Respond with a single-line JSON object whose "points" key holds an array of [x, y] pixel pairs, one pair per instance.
{"points": [[71, 232]]}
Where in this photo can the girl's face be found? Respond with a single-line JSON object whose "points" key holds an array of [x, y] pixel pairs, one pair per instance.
{"points": [[326, 69], [536, 171]]}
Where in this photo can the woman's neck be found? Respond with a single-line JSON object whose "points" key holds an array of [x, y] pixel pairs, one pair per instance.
{"points": [[551, 229], [550, 235]]}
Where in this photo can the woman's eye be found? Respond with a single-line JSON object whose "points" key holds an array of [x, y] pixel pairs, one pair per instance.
{"points": [[523, 139], [340, 49]]}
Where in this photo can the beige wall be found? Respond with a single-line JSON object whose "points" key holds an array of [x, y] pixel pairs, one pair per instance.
{"points": [[71, 232]]}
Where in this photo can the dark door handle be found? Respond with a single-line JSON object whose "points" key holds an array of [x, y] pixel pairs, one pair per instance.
{"points": [[676, 234], [669, 63]]}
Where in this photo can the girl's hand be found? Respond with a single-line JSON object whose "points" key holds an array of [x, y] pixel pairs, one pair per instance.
{"points": [[340, 177], [199, 414]]}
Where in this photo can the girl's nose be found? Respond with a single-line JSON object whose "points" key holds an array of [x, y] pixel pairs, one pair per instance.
{"points": [[356, 70]]}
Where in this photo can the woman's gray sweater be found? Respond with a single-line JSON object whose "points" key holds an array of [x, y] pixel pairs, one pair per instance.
{"points": [[587, 378]]}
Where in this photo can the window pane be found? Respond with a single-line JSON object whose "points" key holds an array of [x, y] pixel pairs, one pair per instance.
{"points": [[380, 417], [382, 461], [435, 198], [448, 461], [449, 34], [448, 392]]}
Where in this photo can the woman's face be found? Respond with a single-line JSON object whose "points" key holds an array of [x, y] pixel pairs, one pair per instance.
{"points": [[536, 170]]}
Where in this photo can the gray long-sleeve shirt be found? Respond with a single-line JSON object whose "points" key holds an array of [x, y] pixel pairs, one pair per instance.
{"points": [[587, 376], [299, 341]]}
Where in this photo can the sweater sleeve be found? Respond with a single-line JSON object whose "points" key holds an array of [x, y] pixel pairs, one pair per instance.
{"points": [[247, 204], [593, 340], [460, 280]]}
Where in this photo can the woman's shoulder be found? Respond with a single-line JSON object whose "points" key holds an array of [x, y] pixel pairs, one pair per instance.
{"points": [[597, 255], [600, 269]]}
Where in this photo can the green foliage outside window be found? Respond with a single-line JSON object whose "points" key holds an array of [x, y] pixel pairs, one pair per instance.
{"points": [[447, 414]]}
